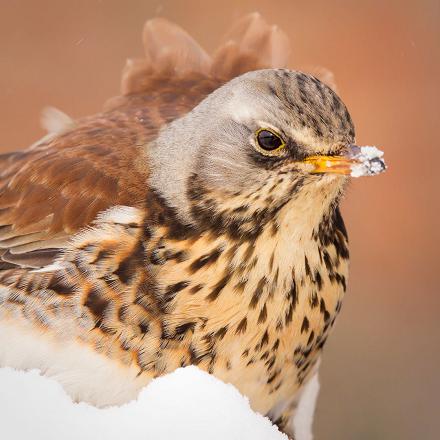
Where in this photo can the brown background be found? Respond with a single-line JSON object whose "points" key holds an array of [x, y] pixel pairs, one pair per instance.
{"points": [[380, 371]]}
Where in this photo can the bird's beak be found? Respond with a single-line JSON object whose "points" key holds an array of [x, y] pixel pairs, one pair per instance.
{"points": [[355, 162]]}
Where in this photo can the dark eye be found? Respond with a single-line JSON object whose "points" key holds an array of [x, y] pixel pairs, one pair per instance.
{"points": [[268, 140]]}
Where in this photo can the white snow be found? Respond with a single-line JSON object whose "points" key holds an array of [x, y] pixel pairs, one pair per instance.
{"points": [[187, 404], [370, 162]]}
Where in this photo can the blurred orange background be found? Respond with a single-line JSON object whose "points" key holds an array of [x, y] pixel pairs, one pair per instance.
{"points": [[380, 373]]}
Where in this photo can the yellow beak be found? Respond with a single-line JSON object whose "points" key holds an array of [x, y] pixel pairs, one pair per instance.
{"points": [[358, 161], [331, 164]]}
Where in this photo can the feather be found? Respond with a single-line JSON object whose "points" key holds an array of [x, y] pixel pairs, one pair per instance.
{"points": [[251, 45], [169, 51], [167, 46]]}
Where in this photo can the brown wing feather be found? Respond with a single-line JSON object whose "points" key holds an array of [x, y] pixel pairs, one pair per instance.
{"points": [[51, 190]]}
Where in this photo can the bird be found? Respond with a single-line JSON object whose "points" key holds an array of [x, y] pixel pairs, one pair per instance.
{"points": [[194, 221]]}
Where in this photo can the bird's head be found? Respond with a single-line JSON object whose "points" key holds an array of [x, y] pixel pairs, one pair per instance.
{"points": [[262, 140]]}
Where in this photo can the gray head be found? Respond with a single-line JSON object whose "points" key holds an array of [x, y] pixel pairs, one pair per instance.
{"points": [[242, 151]]}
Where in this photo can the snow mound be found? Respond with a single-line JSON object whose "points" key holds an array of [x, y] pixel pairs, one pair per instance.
{"points": [[187, 404]]}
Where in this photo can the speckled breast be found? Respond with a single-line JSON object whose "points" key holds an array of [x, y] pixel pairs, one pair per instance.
{"points": [[255, 312]]}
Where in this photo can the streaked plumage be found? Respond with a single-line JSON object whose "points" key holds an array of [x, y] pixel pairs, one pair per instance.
{"points": [[155, 235]]}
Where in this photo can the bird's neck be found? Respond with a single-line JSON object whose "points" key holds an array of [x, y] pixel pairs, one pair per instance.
{"points": [[297, 229], [243, 261]]}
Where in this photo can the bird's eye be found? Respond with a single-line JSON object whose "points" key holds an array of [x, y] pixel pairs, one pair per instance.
{"points": [[269, 141]]}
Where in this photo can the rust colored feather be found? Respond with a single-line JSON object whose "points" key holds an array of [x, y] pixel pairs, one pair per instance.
{"points": [[250, 45], [170, 52]]}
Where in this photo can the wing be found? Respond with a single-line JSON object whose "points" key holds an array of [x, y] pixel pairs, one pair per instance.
{"points": [[56, 187], [50, 191]]}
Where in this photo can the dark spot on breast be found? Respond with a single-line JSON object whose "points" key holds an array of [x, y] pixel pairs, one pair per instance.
{"points": [[327, 261], [179, 256], [313, 300], [241, 327], [144, 327], [239, 287], [258, 292], [196, 288], [125, 345], [270, 363], [305, 325], [173, 289], [341, 280], [157, 256], [305, 367], [306, 353], [321, 343], [264, 341], [275, 277], [273, 376], [311, 337], [341, 248], [264, 356], [271, 261], [263, 315], [220, 334], [318, 280], [307, 267], [194, 357], [183, 328], [96, 303], [122, 313], [293, 294], [289, 314], [205, 260], [129, 265], [60, 286], [208, 337], [278, 386], [279, 325], [219, 287]]}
